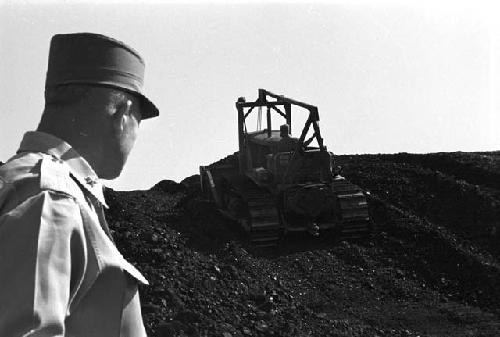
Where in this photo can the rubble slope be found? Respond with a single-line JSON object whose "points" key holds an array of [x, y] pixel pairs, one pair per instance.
{"points": [[431, 267]]}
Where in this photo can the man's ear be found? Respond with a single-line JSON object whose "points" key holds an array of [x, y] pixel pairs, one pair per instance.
{"points": [[121, 114]]}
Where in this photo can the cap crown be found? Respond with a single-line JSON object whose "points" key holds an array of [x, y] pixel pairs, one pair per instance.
{"points": [[97, 59]]}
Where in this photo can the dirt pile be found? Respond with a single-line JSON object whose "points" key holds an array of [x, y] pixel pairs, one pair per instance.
{"points": [[431, 268]]}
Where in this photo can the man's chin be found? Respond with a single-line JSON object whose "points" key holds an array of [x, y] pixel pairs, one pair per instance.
{"points": [[111, 173]]}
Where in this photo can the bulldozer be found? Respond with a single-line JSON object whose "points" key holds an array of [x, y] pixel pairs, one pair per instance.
{"points": [[276, 183]]}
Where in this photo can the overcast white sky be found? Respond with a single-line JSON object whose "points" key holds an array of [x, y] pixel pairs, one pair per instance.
{"points": [[386, 77]]}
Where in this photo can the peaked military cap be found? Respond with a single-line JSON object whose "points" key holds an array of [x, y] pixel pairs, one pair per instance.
{"points": [[89, 58]]}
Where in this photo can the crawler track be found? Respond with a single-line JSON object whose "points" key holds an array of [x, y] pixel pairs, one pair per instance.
{"points": [[263, 222], [354, 209]]}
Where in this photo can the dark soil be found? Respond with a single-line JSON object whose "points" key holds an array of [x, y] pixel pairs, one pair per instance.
{"points": [[431, 267]]}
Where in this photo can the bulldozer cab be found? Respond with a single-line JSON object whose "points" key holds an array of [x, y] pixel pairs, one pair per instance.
{"points": [[271, 156]]}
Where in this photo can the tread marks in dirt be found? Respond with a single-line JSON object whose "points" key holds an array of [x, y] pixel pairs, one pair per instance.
{"points": [[468, 210]]}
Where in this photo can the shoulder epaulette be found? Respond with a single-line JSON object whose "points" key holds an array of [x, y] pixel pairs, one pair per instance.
{"points": [[55, 176]]}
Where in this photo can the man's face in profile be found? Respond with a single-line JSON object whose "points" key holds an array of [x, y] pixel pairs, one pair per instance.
{"points": [[125, 131]]}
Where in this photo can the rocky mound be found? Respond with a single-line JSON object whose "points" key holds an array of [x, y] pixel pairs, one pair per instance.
{"points": [[431, 268]]}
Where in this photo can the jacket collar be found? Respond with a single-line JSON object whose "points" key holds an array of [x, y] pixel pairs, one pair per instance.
{"points": [[36, 141]]}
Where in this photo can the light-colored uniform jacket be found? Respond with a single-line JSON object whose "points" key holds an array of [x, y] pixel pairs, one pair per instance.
{"points": [[60, 273]]}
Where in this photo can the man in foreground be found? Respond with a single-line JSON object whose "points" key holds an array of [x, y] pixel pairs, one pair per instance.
{"points": [[60, 272]]}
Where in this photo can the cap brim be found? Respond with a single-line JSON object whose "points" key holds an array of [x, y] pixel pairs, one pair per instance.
{"points": [[148, 109]]}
